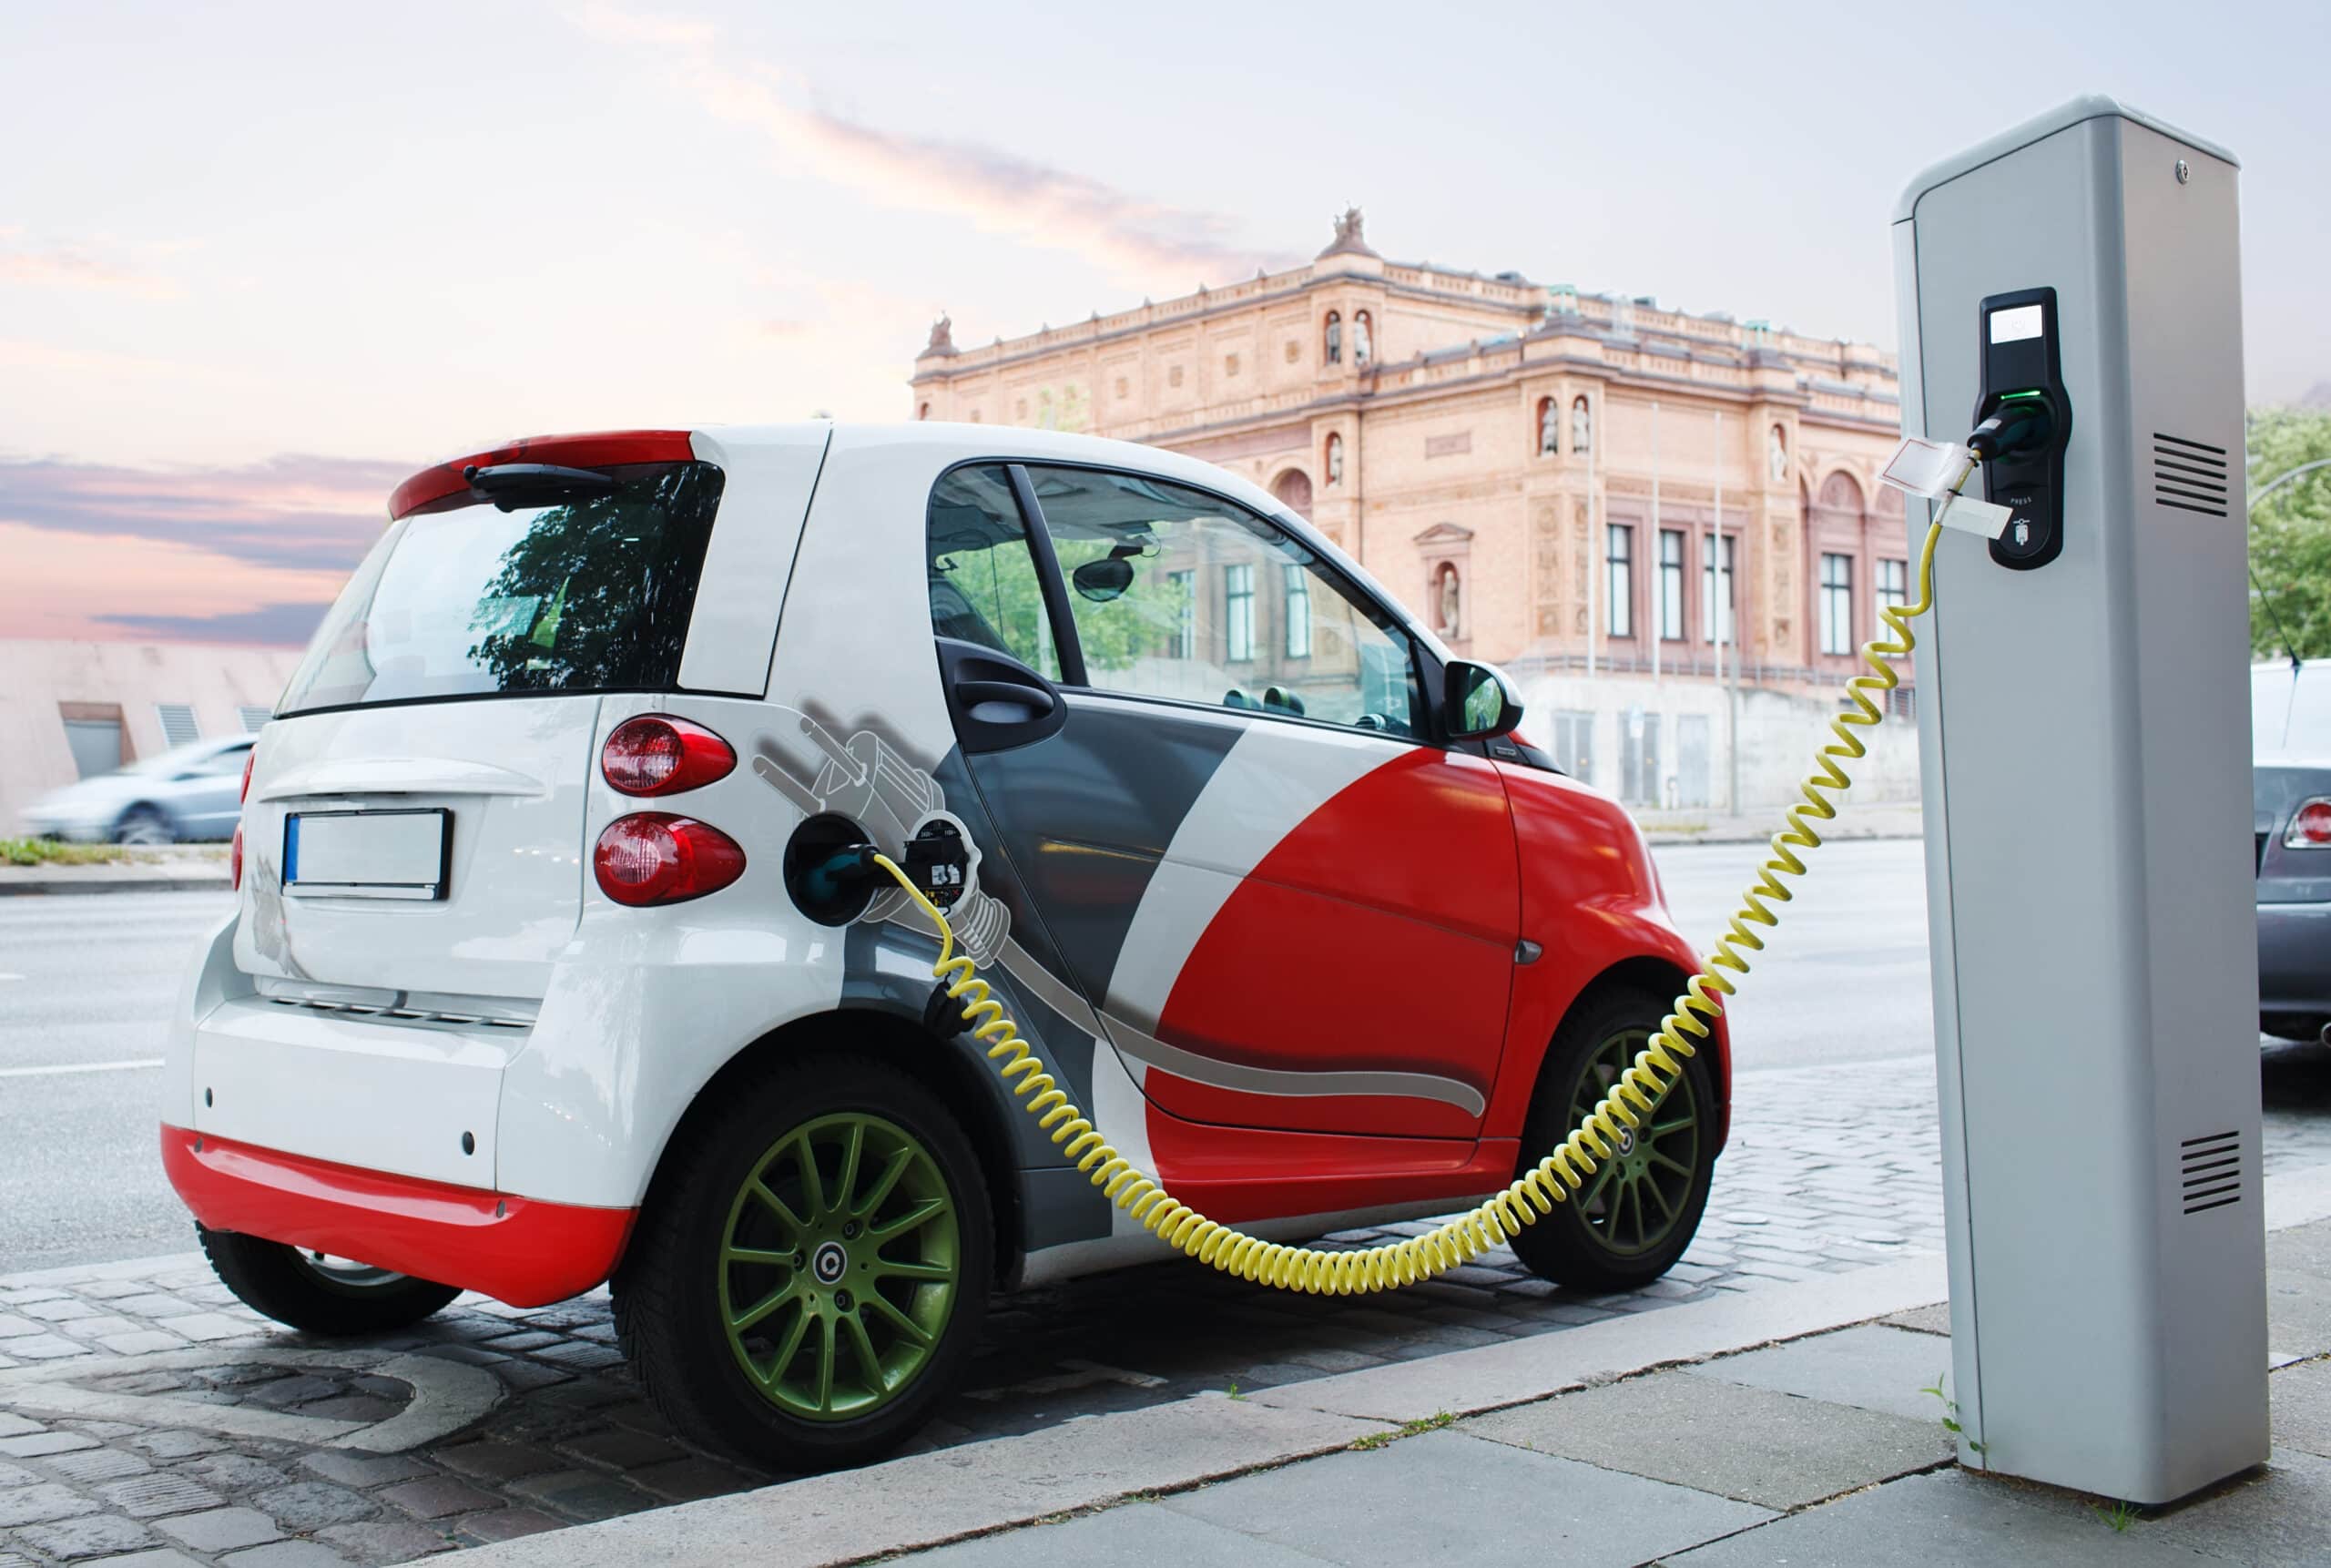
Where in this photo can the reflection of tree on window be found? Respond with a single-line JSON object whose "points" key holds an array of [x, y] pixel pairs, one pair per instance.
{"points": [[1298, 612], [1238, 613]]}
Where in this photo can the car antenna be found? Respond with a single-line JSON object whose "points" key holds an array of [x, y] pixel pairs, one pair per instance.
{"points": [[2289, 651]]}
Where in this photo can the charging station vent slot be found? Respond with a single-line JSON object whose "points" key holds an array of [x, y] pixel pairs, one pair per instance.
{"points": [[2211, 1168], [2189, 476]]}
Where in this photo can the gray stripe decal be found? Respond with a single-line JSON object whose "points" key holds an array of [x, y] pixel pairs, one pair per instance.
{"points": [[1148, 1049]]}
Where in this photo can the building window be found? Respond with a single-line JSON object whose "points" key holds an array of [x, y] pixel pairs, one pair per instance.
{"points": [[1715, 598], [1893, 584], [1182, 588], [178, 728], [1238, 613], [1332, 337], [1837, 604], [254, 719], [1574, 745], [1620, 563], [1229, 366], [1298, 612], [1671, 585]]}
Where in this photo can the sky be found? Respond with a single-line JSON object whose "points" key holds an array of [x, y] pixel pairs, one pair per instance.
{"points": [[259, 262]]}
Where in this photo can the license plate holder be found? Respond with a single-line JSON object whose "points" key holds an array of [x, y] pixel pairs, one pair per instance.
{"points": [[399, 854]]}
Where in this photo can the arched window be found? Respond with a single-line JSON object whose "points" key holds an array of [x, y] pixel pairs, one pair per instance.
{"points": [[1294, 489], [924, 412], [1363, 338], [1582, 427], [1334, 464], [1334, 338], [1549, 428]]}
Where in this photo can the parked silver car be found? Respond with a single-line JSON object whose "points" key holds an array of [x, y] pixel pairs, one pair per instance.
{"points": [[2291, 774], [188, 792]]}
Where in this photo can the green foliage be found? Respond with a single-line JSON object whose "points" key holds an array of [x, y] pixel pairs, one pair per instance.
{"points": [[1432, 1423], [1950, 1415], [50, 853], [2120, 1516], [2290, 535]]}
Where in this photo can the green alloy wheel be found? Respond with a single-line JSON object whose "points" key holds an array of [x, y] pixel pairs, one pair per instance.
{"points": [[1637, 1213], [812, 1265], [839, 1267]]}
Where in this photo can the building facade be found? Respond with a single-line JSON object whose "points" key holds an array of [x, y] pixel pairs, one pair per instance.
{"points": [[1614, 501]]}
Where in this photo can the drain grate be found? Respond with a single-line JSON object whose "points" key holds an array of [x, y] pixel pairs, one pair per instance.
{"points": [[2212, 1171]]}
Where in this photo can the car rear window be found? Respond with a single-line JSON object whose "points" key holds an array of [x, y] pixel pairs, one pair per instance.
{"points": [[467, 599]]}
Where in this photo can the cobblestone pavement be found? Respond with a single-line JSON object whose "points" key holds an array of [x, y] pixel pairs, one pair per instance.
{"points": [[161, 1359]]}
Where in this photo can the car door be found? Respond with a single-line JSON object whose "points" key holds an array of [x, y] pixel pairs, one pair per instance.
{"points": [[207, 795], [1208, 759]]}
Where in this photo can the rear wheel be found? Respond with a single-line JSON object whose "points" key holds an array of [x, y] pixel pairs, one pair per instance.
{"points": [[144, 825], [1637, 1213], [810, 1274], [319, 1294]]}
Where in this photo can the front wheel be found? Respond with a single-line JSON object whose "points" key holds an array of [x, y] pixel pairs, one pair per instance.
{"points": [[316, 1293], [144, 825], [810, 1274], [1638, 1211]]}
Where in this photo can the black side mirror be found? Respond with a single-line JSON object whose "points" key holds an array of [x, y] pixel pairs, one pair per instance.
{"points": [[1478, 701]]}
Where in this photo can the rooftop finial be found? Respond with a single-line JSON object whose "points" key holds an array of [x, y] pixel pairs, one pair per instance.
{"points": [[1351, 237], [942, 336]]}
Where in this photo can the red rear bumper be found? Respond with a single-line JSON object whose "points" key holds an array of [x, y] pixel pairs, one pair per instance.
{"points": [[519, 1251]]}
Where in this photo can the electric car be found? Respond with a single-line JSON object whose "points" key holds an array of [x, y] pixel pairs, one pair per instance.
{"points": [[540, 977]]}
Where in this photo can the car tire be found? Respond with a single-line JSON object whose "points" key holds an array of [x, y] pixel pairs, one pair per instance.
{"points": [[1637, 1213], [302, 1290], [144, 825], [762, 1303]]}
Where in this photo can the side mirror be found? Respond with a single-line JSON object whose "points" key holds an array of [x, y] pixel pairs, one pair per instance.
{"points": [[1478, 701]]}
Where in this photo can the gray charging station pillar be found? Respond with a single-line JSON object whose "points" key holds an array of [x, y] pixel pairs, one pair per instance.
{"points": [[2084, 732]]}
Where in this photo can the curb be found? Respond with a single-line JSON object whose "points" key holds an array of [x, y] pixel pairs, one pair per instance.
{"points": [[12, 886], [952, 1494]]}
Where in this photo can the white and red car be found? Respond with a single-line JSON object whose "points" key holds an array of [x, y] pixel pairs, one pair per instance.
{"points": [[538, 978]]}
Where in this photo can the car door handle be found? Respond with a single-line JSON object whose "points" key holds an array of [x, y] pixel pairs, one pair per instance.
{"points": [[1039, 701]]}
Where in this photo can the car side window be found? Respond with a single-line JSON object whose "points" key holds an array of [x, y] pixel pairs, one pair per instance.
{"points": [[1178, 594], [983, 583]]}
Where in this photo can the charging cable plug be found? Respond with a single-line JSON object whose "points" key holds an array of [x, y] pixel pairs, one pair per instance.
{"points": [[2022, 423], [846, 869]]}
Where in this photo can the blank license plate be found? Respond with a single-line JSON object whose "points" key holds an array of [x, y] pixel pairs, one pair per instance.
{"points": [[366, 854]]}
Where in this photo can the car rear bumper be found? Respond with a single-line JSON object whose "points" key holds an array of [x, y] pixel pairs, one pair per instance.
{"points": [[520, 1251], [2294, 958]]}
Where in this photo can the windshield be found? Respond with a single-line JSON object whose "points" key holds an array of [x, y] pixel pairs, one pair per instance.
{"points": [[578, 596]]}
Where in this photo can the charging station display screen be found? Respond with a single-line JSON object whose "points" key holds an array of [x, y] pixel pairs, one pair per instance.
{"points": [[2013, 326]]}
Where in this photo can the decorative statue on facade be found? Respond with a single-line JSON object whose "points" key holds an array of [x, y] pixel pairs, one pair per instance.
{"points": [[1360, 346], [1335, 458], [1582, 428], [1335, 339], [1549, 427], [1777, 455], [942, 336], [1449, 604], [1349, 235]]}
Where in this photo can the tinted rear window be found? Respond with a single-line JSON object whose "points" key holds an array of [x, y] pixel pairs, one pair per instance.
{"points": [[470, 600]]}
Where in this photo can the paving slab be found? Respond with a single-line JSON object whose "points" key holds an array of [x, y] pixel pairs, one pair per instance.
{"points": [[2278, 1516], [929, 1498], [2298, 1310], [1445, 1497], [1951, 1517], [1776, 1450], [1932, 1319], [1874, 1367], [2300, 1401], [1138, 1535]]}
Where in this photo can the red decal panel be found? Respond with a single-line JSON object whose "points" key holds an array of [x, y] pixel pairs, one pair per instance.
{"points": [[528, 1254], [1241, 1174]]}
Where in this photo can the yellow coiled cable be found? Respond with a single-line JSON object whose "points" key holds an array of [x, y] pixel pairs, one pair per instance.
{"points": [[1551, 1180]]}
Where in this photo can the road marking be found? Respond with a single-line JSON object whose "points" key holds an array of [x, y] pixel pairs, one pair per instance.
{"points": [[80, 1068]]}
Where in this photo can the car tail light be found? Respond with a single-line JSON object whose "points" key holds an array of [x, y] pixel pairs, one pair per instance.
{"points": [[657, 754], [235, 860], [250, 759], [2310, 826], [656, 858]]}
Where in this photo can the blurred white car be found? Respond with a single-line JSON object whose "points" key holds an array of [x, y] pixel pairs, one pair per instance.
{"points": [[188, 792]]}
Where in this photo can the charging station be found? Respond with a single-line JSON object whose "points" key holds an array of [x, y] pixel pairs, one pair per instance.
{"points": [[2085, 742]]}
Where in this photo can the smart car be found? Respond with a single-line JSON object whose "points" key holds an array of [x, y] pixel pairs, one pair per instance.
{"points": [[533, 981]]}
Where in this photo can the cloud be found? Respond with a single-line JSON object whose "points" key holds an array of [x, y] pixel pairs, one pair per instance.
{"points": [[73, 267], [289, 511], [281, 626], [998, 192]]}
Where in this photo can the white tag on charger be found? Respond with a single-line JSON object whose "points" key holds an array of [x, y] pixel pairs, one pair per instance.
{"points": [[1927, 468], [1985, 519]]}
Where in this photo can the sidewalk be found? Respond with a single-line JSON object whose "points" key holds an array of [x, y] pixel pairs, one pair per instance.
{"points": [[185, 867], [1788, 1425]]}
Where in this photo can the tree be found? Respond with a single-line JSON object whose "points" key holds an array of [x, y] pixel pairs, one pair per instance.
{"points": [[2290, 535]]}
